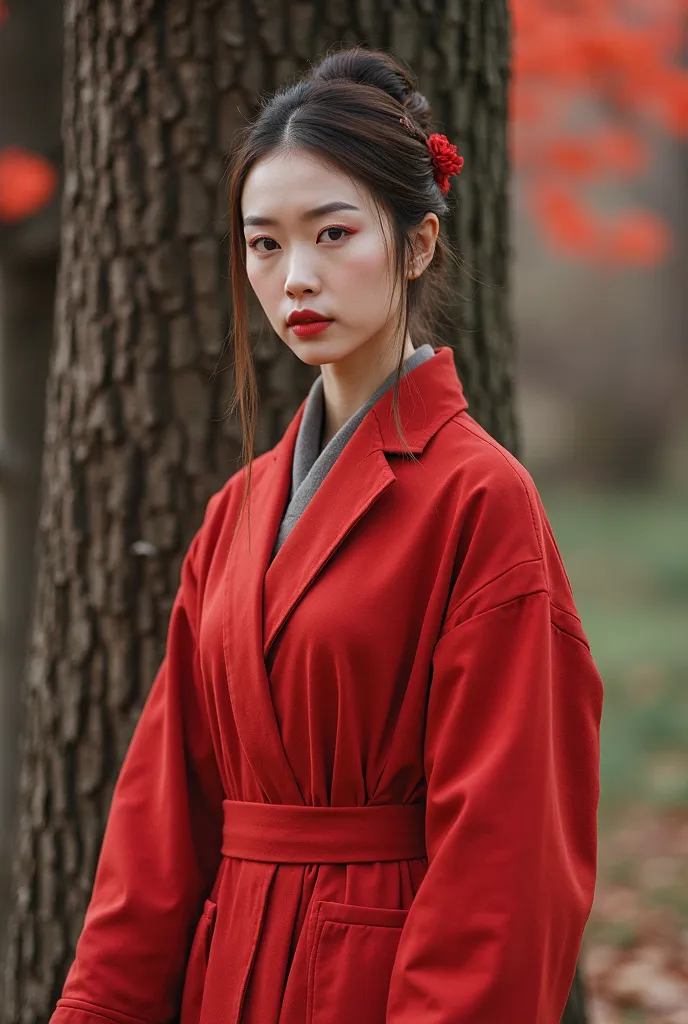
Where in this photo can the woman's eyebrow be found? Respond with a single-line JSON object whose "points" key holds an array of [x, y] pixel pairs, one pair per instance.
{"points": [[257, 220]]}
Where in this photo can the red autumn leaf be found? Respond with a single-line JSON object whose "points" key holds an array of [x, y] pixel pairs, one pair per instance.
{"points": [[638, 239], [601, 52], [621, 151], [573, 157], [27, 183], [673, 102], [551, 55], [621, 61], [567, 222], [525, 106]]}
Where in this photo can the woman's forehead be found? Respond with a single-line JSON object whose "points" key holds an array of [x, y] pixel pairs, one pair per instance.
{"points": [[297, 182]]}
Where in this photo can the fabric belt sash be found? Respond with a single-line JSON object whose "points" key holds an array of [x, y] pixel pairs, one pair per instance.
{"points": [[292, 834]]}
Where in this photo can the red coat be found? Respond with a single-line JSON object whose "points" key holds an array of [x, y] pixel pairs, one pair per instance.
{"points": [[414, 642]]}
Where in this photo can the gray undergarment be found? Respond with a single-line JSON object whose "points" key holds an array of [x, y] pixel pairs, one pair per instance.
{"points": [[310, 465]]}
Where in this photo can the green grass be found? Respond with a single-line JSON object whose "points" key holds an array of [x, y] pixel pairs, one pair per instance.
{"points": [[627, 558]]}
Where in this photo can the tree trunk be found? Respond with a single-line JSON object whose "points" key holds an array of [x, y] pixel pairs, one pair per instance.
{"points": [[135, 440], [27, 294], [30, 64]]}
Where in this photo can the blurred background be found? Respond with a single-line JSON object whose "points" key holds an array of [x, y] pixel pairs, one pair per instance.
{"points": [[603, 401], [598, 130]]}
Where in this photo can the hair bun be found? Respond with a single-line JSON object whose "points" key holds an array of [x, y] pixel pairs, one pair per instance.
{"points": [[418, 109], [376, 68]]}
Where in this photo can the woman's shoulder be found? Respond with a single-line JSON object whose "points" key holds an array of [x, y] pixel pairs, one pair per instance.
{"points": [[481, 454], [222, 509], [232, 490], [505, 544], [486, 477]]}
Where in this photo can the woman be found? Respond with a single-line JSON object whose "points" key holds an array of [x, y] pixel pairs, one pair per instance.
{"points": [[364, 786]]}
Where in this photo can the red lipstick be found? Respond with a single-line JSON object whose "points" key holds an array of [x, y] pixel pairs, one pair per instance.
{"points": [[307, 322]]}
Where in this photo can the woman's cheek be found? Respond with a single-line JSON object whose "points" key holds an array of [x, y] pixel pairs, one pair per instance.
{"points": [[366, 278], [367, 261], [265, 289]]}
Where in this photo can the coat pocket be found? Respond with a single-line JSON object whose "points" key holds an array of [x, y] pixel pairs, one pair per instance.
{"points": [[350, 964], [197, 964]]}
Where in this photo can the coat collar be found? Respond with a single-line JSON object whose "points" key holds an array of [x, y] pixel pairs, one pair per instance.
{"points": [[428, 397], [311, 463], [260, 594]]}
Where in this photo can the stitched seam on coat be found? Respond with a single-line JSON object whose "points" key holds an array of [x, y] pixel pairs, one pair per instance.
{"points": [[98, 1011], [565, 632], [493, 579], [492, 608], [317, 951], [312, 960], [565, 611], [254, 943], [486, 611]]}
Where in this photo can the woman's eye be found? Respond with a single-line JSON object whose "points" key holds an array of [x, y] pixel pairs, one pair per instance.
{"points": [[256, 242], [265, 245], [342, 231]]}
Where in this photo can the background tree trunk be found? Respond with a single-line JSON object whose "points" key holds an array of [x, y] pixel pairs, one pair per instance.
{"points": [[135, 439], [27, 294], [30, 71]]}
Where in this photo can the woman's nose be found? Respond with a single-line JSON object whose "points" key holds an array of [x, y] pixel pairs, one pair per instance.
{"points": [[301, 277]]}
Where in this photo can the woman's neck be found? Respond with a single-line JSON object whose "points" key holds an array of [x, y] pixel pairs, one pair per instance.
{"points": [[348, 384]]}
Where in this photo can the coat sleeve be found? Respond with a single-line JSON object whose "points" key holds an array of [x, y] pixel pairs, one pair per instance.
{"points": [[512, 771], [161, 848]]}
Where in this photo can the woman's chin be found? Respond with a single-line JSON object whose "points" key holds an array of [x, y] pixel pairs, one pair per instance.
{"points": [[319, 349]]}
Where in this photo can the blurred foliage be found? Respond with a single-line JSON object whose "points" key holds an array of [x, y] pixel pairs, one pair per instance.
{"points": [[621, 63], [28, 182], [627, 557]]}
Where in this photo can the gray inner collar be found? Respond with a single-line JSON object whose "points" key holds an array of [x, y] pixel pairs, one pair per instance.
{"points": [[310, 465]]}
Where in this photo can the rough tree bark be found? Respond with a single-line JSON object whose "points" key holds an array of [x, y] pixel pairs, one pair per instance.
{"points": [[30, 65], [135, 439]]}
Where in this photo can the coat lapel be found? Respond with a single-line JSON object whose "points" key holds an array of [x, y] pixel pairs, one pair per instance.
{"points": [[350, 489], [249, 687], [429, 396]]}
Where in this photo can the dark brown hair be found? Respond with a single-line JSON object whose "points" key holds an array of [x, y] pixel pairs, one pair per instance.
{"points": [[347, 111]]}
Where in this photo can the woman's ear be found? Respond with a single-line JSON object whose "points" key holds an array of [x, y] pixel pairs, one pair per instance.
{"points": [[424, 238]]}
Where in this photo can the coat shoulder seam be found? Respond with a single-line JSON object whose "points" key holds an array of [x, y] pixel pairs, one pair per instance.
{"points": [[492, 608], [95, 1010]]}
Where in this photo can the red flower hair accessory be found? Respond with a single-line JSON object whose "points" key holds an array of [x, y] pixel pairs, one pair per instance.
{"points": [[445, 158]]}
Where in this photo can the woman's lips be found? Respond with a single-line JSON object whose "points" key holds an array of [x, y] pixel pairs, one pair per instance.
{"points": [[307, 330]]}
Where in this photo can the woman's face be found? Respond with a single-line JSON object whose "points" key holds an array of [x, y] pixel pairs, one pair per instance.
{"points": [[314, 241]]}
